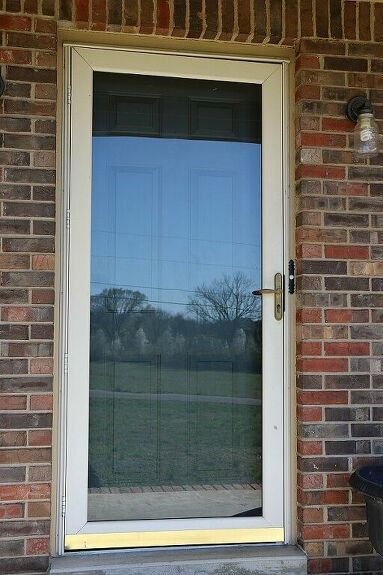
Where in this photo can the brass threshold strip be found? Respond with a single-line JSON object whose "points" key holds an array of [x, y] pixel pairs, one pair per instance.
{"points": [[168, 538]]}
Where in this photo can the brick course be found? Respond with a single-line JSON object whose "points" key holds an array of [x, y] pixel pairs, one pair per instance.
{"points": [[339, 54]]}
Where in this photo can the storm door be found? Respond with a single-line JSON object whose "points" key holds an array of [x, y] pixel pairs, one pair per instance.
{"points": [[175, 366]]}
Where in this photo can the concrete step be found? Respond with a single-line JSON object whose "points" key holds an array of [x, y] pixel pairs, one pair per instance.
{"points": [[226, 560]]}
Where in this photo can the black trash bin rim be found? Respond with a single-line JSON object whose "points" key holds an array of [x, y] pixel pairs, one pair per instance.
{"points": [[368, 480]]}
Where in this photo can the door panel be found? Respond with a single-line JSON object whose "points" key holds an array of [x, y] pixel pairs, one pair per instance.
{"points": [[176, 108]]}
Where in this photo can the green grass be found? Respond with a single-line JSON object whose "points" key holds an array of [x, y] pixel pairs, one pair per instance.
{"points": [[142, 376], [150, 441]]}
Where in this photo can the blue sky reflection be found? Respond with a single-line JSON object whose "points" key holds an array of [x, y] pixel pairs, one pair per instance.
{"points": [[171, 214]]}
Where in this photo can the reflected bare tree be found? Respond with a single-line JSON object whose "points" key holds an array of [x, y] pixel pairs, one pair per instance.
{"points": [[117, 304], [225, 299], [118, 300]]}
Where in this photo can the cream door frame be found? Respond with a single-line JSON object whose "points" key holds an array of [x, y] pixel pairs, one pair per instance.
{"points": [[80, 62]]}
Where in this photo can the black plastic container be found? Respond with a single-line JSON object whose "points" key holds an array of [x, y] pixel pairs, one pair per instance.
{"points": [[369, 481]]}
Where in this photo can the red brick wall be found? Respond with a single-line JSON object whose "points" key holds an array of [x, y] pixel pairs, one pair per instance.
{"points": [[339, 247], [339, 250], [27, 194]]}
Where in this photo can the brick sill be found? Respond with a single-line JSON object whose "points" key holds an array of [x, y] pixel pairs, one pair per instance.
{"points": [[225, 560]]}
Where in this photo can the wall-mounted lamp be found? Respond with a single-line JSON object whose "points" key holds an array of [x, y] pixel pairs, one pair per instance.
{"points": [[2, 86], [366, 133]]}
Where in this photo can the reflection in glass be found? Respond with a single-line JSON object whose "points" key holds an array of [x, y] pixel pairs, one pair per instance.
{"points": [[176, 338]]}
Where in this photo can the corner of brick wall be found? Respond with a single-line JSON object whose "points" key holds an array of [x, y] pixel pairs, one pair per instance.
{"points": [[339, 302]]}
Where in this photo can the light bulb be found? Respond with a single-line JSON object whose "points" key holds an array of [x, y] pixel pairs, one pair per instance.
{"points": [[366, 135]]}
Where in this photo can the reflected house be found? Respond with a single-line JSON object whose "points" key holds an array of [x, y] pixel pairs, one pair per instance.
{"points": [[161, 162]]}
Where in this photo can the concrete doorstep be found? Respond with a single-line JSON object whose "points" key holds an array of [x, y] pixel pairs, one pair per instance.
{"points": [[227, 560]]}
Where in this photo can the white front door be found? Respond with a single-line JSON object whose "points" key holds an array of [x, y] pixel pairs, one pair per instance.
{"points": [[173, 368]]}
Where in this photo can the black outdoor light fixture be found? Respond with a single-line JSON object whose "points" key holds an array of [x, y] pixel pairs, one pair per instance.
{"points": [[2, 85], [366, 133]]}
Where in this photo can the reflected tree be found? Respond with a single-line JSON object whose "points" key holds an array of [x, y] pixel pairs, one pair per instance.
{"points": [[223, 321], [113, 307], [225, 299]]}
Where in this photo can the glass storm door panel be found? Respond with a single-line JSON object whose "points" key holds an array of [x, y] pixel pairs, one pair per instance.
{"points": [[180, 365], [175, 332]]}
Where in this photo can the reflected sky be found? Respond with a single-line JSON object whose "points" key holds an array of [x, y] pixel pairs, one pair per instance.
{"points": [[169, 215]]}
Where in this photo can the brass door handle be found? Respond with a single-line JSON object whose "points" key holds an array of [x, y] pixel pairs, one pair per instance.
{"points": [[264, 291], [278, 295]]}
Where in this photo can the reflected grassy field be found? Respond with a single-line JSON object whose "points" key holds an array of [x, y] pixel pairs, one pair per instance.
{"points": [[159, 441], [142, 376]]}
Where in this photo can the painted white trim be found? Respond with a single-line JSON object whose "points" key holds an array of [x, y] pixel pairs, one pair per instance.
{"points": [[154, 525], [272, 262], [180, 52], [289, 318], [176, 66], [80, 180], [63, 251], [84, 60]]}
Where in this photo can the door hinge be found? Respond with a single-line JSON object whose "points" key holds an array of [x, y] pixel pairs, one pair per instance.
{"points": [[69, 95], [67, 218], [63, 506], [291, 276], [65, 363]]}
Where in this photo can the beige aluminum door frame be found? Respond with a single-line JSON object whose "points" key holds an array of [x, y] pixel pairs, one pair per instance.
{"points": [[79, 533]]}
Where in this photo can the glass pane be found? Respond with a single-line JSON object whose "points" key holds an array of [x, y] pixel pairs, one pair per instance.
{"points": [[176, 336]]}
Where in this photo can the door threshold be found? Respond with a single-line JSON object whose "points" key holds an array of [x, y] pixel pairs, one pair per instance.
{"points": [[220, 560]]}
